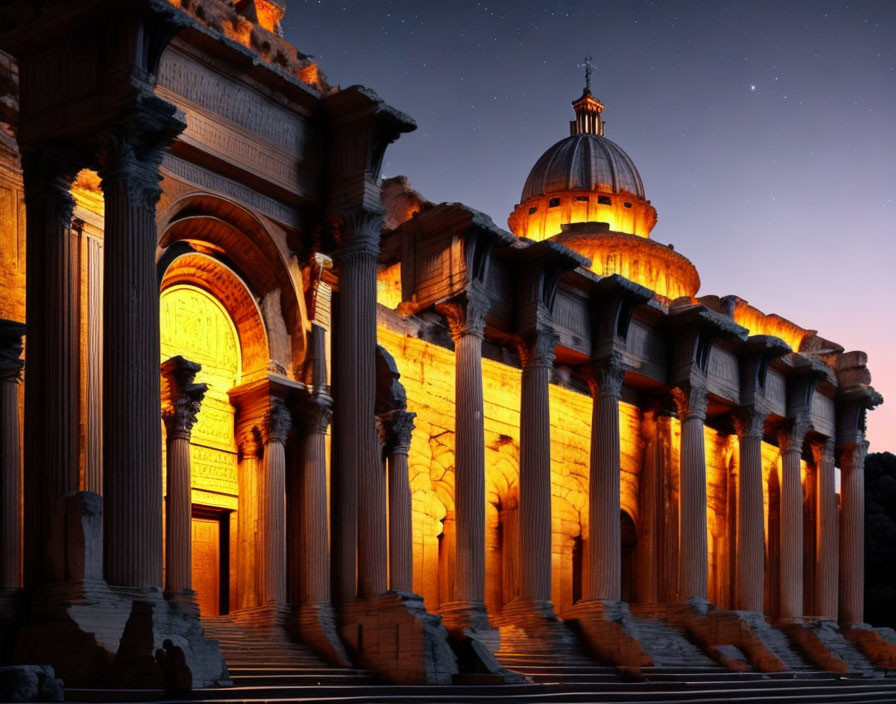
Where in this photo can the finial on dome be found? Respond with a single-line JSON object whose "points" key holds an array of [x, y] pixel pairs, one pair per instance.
{"points": [[588, 67], [588, 108]]}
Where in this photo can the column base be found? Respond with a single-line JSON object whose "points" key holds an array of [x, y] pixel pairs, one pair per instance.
{"points": [[315, 624], [394, 635], [531, 628], [737, 640], [824, 645], [878, 645], [469, 619], [12, 602], [96, 635], [608, 631]]}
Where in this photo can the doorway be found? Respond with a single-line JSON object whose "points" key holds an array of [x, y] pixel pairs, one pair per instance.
{"points": [[211, 550]]}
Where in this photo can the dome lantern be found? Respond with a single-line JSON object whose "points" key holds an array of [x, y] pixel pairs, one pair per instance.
{"points": [[588, 109]]}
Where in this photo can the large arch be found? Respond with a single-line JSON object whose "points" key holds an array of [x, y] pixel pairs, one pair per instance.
{"points": [[255, 252]]}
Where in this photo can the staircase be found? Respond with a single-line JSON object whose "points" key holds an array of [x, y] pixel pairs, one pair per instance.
{"points": [[776, 640], [259, 656], [669, 645]]}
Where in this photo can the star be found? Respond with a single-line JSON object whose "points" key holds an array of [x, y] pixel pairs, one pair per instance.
{"points": [[752, 87]]}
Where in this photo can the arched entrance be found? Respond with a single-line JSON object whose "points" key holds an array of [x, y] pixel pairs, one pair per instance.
{"points": [[629, 537], [194, 324]]}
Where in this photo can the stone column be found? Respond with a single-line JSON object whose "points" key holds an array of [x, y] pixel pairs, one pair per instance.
{"points": [[275, 429], [604, 561], [51, 399], [248, 519], [10, 456], [182, 399], [537, 357], [401, 546], [750, 557], [314, 582], [852, 532], [359, 527], [692, 575], [790, 442], [132, 451], [826, 531], [467, 327]]}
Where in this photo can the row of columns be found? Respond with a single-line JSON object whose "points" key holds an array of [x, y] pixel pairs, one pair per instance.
{"points": [[603, 563]]}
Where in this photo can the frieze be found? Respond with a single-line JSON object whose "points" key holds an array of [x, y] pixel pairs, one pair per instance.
{"points": [[776, 393], [823, 414], [213, 470], [184, 80], [201, 178], [236, 147], [722, 374]]}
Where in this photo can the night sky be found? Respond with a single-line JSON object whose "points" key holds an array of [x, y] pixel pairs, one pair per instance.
{"points": [[764, 132]]}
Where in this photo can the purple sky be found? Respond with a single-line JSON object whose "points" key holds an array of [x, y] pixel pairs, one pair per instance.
{"points": [[764, 131]]}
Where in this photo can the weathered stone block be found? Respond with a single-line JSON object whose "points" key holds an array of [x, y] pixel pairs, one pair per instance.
{"points": [[30, 683]]}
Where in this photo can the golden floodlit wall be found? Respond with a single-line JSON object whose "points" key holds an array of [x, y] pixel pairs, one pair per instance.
{"points": [[195, 325], [427, 372]]}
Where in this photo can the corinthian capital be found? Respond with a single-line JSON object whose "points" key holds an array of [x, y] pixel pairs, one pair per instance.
{"points": [[792, 435], [357, 233], [749, 422], [277, 422], [399, 427], [11, 362], [181, 396], [605, 376], [852, 456], [465, 315], [537, 348], [314, 414], [690, 401]]}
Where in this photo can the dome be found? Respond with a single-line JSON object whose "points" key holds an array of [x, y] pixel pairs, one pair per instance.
{"points": [[583, 162]]}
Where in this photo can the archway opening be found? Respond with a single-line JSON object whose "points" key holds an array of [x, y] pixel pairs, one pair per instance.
{"points": [[194, 324]]}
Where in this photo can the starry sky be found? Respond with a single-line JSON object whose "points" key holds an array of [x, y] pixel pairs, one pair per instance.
{"points": [[763, 131]]}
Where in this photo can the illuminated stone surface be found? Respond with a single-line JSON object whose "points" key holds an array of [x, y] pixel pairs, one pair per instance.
{"points": [[568, 430]]}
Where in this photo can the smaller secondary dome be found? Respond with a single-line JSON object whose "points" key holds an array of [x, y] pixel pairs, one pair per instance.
{"points": [[583, 162]]}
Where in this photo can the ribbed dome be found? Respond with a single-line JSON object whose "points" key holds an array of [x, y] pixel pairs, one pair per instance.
{"points": [[579, 163]]}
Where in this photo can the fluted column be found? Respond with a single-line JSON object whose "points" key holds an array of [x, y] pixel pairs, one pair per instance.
{"points": [[132, 443], [51, 394], [750, 548], [852, 532], [826, 532], [401, 546], [10, 457], [692, 575], [249, 519], [275, 429], [314, 583], [467, 327], [604, 562], [537, 358], [359, 484], [790, 442], [182, 398]]}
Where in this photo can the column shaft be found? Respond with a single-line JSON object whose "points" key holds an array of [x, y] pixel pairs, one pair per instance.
{"points": [[10, 456], [826, 535], [132, 452], [51, 397], [273, 505], [791, 569], [178, 523], [469, 472], [359, 529], [315, 557], [692, 537], [535, 472], [401, 547], [852, 534], [750, 558], [604, 563]]}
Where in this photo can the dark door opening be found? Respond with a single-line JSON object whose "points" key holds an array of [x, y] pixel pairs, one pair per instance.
{"points": [[211, 560]]}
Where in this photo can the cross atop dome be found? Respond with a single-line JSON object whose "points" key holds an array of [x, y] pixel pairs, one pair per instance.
{"points": [[588, 109]]}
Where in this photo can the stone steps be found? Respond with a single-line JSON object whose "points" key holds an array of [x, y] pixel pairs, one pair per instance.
{"points": [[669, 646], [776, 640], [804, 691]]}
